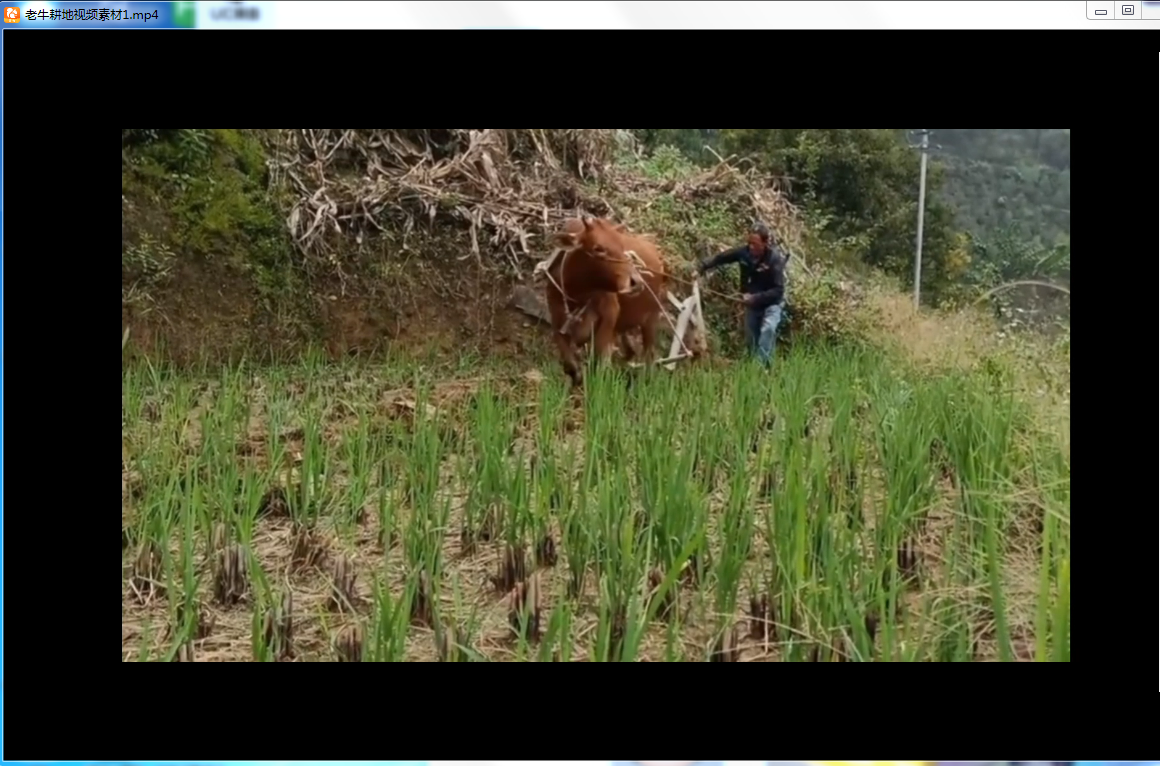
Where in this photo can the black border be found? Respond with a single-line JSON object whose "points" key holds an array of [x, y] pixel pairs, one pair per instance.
{"points": [[788, 73], [57, 85]]}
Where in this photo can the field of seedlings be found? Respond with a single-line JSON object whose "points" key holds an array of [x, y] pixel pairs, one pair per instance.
{"points": [[837, 509]]}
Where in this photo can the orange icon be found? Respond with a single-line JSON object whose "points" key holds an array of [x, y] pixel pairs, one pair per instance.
{"points": [[11, 15]]}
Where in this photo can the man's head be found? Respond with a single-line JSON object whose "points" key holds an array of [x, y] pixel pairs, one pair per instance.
{"points": [[601, 241], [758, 239]]}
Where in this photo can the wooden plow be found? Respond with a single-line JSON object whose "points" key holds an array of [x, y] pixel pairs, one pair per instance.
{"points": [[688, 310]]}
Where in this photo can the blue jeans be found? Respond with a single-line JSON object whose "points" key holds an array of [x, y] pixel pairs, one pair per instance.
{"points": [[761, 331]]}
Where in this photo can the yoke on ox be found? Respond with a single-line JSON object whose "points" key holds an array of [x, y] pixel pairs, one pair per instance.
{"points": [[603, 283]]}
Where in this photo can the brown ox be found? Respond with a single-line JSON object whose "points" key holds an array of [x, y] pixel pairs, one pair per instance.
{"points": [[615, 283]]}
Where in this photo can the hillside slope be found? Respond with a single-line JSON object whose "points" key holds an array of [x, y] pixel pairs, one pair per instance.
{"points": [[263, 242], [241, 242]]}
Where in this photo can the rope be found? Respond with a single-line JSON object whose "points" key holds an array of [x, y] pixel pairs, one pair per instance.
{"points": [[705, 290], [544, 269], [668, 318], [632, 256]]}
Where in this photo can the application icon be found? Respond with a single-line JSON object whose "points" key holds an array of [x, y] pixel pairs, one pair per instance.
{"points": [[185, 15]]}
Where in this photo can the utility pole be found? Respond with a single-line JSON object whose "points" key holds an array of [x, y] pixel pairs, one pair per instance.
{"points": [[924, 146]]}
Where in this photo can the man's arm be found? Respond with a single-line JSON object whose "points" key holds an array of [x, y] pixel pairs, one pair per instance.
{"points": [[723, 259]]}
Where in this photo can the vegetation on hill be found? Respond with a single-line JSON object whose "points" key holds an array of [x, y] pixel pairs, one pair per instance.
{"points": [[1015, 180], [298, 218], [998, 205]]}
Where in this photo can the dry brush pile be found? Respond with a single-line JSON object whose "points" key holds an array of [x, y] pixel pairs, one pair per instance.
{"points": [[502, 187], [499, 194], [701, 212]]}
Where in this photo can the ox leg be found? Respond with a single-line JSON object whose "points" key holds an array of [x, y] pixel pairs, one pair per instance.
{"points": [[648, 340], [569, 358], [607, 311], [582, 329], [565, 345], [626, 348]]}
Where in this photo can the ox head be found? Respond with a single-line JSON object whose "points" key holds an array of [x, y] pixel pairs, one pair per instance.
{"points": [[601, 242]]}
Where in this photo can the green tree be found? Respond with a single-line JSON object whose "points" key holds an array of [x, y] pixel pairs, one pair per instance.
{"points": [[1002, 178], [690, 141], [863, 186], [1008, 259]]}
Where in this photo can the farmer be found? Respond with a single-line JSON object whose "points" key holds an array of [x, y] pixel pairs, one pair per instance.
{"points": [[762, 287]]}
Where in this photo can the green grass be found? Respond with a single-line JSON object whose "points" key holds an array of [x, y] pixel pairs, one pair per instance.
{"points": [[840, 506]]}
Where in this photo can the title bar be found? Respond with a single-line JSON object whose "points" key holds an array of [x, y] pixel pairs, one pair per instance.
{"points": [[590, 14]]}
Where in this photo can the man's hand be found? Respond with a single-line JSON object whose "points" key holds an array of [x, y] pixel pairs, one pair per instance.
{"points": [[747, 299]]}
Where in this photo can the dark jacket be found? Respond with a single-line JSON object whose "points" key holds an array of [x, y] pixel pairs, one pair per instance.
{"points": [[763, 278]]}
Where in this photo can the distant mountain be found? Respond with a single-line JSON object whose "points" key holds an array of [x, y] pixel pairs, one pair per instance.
{"points": [[999, 178], [995, 178]]}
